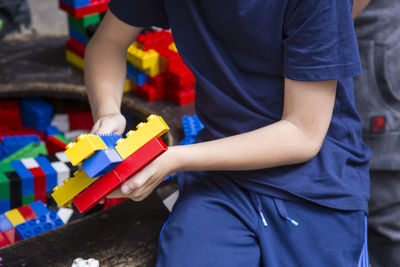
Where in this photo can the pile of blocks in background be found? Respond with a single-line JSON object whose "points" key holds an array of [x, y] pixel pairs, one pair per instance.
{"points": [[154, 68], [28, 221], [32, 141]]}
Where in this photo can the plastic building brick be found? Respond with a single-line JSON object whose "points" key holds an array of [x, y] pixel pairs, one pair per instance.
{"points": [[60, 120], [5, 204], [54, 144], [65, 193], [65, 214], [6, 167], [27, 181], [31, 150], [10, 113], [51, 173], [101, 162], [77, 3], [157, 81], [27, 199], [148, 92], [10, 234], [39, 183], [96, 6], [12, 144], [146, 61], [84, 148], [61, 156], [29, 163], [3, 240], [5, 223], [172, 47], [106, 184], [154, 127], [78, 36], [81, 24], [74, 59], [191, 125], [36, 113], [154, 40], [182, 96], [4, 186], [62, 170], [110, 139], [169, 58], [38, 225], [51, 130], [74, 134], [27, 212], [80, 119], [15, 189], [15, 217], [179, 76], [39, 208], [79, 262], [62, 138], [134, 75]]}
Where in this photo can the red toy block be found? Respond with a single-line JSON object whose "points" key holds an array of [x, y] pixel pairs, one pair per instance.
{"points": [[157, 40], [27, 212], [157, 81], [148, 92], [10, 234], [112, 202], [180, 96], [39, 180], [54, 145], [179, 76], [168, 58], [10, 114], [81, 120], [109, 182], [3, 240], [76, 47], [96, 6]]}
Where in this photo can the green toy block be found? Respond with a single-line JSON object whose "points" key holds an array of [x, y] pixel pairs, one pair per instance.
{"points": [[81, 24], [1, 25], [62, 138], [4, 187], [28, 199], [29, 151], [6, 167]]}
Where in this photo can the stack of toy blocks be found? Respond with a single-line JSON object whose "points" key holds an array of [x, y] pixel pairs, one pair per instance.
{"points": [[107, 161], [156, 70], [27, 221]]}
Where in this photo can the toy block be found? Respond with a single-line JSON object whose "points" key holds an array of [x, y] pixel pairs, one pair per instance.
{"points": [[60, 120], [54, 145], [5, 205], [31, 150], [29, 163], [27, 199], [51, 173], [36, 113], [15, 217], [27, 181], [110, 139], [81, 24], [134, 75], [148, 92], [6, 167], [10, 234], [62, 138], [109, 202], [38, 225], [168, 58], [127, 86], [5, 223], [10, 113], [65, 193], [74, 134], [96, 6], [13, 143], [3, 240], [154, 40], [179, 76], [85, 146], [181, 97], [172, 47], [187, 141], [4, 186], [27, 212], [80, 119], [101, 162], [157, 81], [79, 262], [39, 208], [78, 36], [77, 3], [131, 165], [51, 130], [74, 59], [62, 170], [65, 214], [15, 189], [154, 127], [191, 125], [146, 61], [61, 156], [39, 183]]}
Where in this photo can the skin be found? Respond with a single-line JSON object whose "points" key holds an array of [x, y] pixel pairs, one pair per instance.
{"points": [[296, 138], [358, 6]]}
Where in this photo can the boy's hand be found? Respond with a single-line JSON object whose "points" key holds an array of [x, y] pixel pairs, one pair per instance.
{"points": [[113, 123]]}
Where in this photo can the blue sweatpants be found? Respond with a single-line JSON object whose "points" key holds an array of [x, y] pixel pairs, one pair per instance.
{"points": [[217, 223]]}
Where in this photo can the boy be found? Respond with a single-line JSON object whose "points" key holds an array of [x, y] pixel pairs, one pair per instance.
{"points": [[279, 176]]}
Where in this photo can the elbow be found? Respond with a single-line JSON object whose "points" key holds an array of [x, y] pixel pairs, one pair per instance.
{"points": [[310, 148]]}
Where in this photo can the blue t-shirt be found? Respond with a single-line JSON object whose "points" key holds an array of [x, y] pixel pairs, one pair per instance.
{"points": [[240, 51]]}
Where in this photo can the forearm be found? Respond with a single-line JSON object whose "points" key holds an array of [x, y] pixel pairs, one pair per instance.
{"points": [[358, 6]]}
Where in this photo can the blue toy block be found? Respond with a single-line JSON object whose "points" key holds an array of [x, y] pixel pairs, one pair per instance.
{"points": [[77, 3], [78, 36], [136, 76], [101, 163], [3, 154], [14, 143], [187, 141], [36, 113], [27, 182], [38, 225], [39, 208], [51, 130], [110, 139], [51, 173], [5, 205], [191, 125], [5, 223]]}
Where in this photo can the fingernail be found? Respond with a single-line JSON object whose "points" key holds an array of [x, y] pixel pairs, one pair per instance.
{"points": [[125, 189]]}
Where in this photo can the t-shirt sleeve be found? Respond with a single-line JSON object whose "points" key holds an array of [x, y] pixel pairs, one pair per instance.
{"points": [[140, 13], [319, 41]]}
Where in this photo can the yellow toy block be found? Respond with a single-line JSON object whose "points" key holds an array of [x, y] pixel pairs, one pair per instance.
{"points": [[172, 47], [147, 61], [85, 147], [75, 59], [15, 217], [127, 86], [64, 194], [154, 127]]}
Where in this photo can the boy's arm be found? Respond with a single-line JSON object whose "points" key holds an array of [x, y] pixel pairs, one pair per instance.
{"points": [[105, 72], [296, 138], [358, 6]]}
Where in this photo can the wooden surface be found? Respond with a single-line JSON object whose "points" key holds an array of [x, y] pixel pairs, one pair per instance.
{"points": [[125, 235]]}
